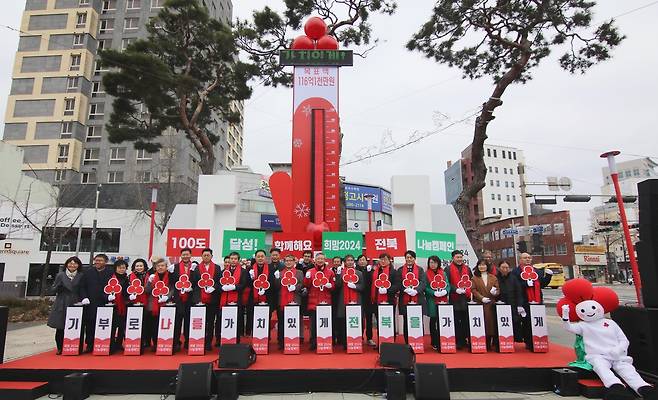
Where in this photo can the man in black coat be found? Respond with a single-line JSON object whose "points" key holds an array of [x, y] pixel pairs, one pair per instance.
{"points": [[185, 297], [510, 293], [92, 293], [530, 292]]}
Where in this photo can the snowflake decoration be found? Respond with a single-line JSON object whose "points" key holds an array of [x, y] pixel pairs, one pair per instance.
{"points": [[302, 210], [307, 110], [297, 143]]}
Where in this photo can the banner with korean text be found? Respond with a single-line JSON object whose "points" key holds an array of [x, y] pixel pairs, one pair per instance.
{"points": [[195, 239], [134, 322], [72, 331], [244, 243], [340, 244], [292, 243], [391, 242], [435, 244]]}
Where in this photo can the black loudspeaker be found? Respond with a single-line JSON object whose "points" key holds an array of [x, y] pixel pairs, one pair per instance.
{"points": [[431, 382], [565, 382], [77, 386], [237, 356], [396, 355], [641, 328], [194, 381], [396, 385], [647, 247], [227, 386]]}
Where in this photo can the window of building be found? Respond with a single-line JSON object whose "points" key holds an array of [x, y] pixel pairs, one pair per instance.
{"points": [[83, 3], [488, 152], [60, 175], [107, 25], [636, 172], [505, 171], [508, 197], [561, 249], [117, 154], [131, 23], [63, 153], [75, 62], [627, 173], [67, 130], [91, 156], [78, 39], [99, 68], [511, 184], [513, 197], [490, 169], [107, 239], [97, 89], [143, 176], [497, 183], [493, 196], [96, 110], [69, 106], [72, 82], [81, 20], [127, 42], [515, 212], [88, 177], [498, 197], [115, 177], [503, 153], [133, 4], [143, 155], [549, 250], [104, 44], [157, 3], [94, 133], [493, 210], [509, 211], [514, 155], [491, 182], [109, 5], [511, 171], [500, 211], [506, 184], [494, 152], [496, 169]]}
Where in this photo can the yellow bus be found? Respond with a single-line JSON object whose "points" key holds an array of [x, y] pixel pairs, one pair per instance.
{"points": [[558, 274]]}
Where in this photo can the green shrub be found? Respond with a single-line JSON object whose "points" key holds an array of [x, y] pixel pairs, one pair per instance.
{"points": [[23, 310]]}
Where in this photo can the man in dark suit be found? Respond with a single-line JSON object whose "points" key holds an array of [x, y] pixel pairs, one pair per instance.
{"points": [[531, 293], [94, 280]]}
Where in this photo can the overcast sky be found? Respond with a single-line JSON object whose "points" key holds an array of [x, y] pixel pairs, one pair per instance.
{"points": [[562, 122]]}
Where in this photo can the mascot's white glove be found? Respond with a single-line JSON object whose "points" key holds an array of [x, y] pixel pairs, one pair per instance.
{"points": [[565, 312], [85, 301], [163, 299], [308, 275], [151, 277], [209, 289], [351, 285], [251, 273], [460, 291], [493, 291], [277, 274], [382, 290], [440, 293], [486, 300], [329, 285], [521, 311], [132, 297], [171, 268], [291, 288], [369, 268], [111, 297]]}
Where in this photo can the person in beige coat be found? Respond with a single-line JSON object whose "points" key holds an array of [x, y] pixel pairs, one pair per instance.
{"points": [[485, 291]]}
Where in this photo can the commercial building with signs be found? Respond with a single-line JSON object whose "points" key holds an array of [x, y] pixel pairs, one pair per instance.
{"points": [[356, 206], [553, 242], [57, 108], [592, 262], [500, 196]]}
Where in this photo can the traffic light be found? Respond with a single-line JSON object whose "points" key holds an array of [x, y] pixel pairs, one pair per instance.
{"points": [[624, 199], [522, 246], [537, 243], [608, 223]]}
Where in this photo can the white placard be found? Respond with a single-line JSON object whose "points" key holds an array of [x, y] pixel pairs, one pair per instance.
{"points": [[292, 321], [477, 331], [539, 328], [415, 327], [261, 329], [385, 323], [315, 81], [229, 328], [447, 338], [196, 341], [134, 322], [103, 330], [166, 323], [324, 329], [354, 328], [505, 328], [72, 331]]}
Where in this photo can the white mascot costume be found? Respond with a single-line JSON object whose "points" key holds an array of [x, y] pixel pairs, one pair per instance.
{"points": [[583, 311]]}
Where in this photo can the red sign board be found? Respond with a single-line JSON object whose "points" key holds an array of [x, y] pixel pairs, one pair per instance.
{"points": [[292, 243], [195, 239], [391, 242]]}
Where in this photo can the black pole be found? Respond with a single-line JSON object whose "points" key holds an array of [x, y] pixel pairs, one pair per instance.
{"points": [[4, 319]]}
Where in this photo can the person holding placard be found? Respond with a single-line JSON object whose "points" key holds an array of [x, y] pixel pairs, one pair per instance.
{"points": [[208, 274], [436, 292], [319, 281], [485, 292], [413, 287], [349, 285], [336, 267], [275, 258], [261, 277], [120, 301], [66, 288], [366, 268], [158, 295], [233, 280], [460, 295], [137, 294], [289, 282], [532, 281], [510, 293], [186, 281], [93, 282]]}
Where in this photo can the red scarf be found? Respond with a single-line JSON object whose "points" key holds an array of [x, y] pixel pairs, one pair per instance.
{"points": [[266, 270], [405, 297], [183, 270], [456, 273], [206, 298], [430, 277], [232, 296], [155, 304], [375, 296], [286, 297], [141, 298], [349, 295], [533, 292], [119, 300]]}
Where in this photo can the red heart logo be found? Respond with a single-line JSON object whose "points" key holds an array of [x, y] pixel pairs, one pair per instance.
{"points": [[410, 281], [227, 278], [261, 282], [112, 287], [350, 276], [438, 283], [529, 273], [160, 289], [320, 280], [464, 283], [135, 287], [183, 282], [382, 282], [289, 279], [206, 281]]}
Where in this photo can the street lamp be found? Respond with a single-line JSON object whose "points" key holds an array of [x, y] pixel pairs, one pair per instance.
{"points": [[93, 228], [612, 166], [154, 203]]}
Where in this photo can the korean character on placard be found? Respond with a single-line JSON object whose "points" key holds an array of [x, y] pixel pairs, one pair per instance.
{"points": [[450, 246], [325, 71], [278, 244], [248, 244], [307, 71], [297, 246], [442, 245], [380, 244], [307, 245], [392, 243], [288, 245], [234, 244], [316, 71], [435, 245]]}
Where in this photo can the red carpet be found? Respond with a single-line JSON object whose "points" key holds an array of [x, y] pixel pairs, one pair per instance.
{"points": [[558, 356]]}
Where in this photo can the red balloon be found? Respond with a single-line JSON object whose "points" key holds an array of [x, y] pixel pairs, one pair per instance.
{"points": [[302, 42], [315, 28], [327, 42]]}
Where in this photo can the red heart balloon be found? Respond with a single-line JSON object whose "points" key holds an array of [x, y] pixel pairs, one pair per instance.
{"points": [[327, 42], [315, 28], [302, 42]]}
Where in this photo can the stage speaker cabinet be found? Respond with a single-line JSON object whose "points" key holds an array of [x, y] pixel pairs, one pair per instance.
{"points": [[194, 381], [565, 382], [431, 382], [647, 247], [396, 385], [77, 386], [227, 386], [236, 356], [396, 355], [641, 328]]}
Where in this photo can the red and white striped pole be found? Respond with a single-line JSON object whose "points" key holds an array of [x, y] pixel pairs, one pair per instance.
{"points": [[612, 165], [154, 203]]}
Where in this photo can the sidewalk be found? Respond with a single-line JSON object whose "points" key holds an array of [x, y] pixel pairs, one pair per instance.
{"points": [[353, 396], [29, 339]]}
